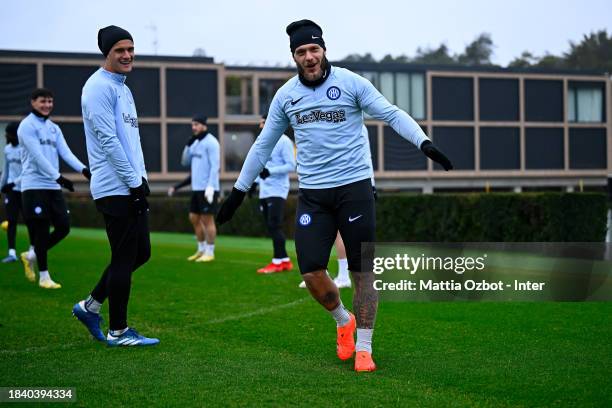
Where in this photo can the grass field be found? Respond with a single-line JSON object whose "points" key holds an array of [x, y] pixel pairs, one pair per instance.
{"points": [[232, 338]]}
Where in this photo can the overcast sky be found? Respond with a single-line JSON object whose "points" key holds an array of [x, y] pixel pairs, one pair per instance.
{"points": [[253, 32]]}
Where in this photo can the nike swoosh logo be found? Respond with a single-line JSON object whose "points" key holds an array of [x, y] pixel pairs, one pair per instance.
{"points": [[356, 218], [296, 101], [314, 38]]}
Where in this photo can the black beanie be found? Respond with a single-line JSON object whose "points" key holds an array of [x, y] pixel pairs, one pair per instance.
{"points": [[111, 35], [304, 32], [11, 128], [201, 119]]}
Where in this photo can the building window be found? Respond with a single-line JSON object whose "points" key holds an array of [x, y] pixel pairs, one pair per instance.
{"points": [[238, 95], [267, 90], [190, 91], [144, 84], [402, 91], [500, 148], [386, 86], [236, 144], [400, 154], [543, 100], [3, 126], [458, 144], [544, 148], [499, 99], [406, 90], [452, 98], [67, 93], [587, 148], [373, 140], [150, 140], [417, 96], [17, 81], [585, 102]]}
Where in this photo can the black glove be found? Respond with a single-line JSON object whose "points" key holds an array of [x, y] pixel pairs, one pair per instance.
{"points": [[436, 155], [138, 198], [252, 190], [265, 173], [7, 187], [230, 205], [146, 187], [64, 182], [86, 173], [191, 140], [375, 193]]}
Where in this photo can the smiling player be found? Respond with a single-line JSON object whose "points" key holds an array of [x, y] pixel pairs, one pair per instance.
{"points": [[325, 105], [118, 185]]}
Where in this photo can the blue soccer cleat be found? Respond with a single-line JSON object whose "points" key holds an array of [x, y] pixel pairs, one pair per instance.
{"points": [[91, 320], [130, 338], [9, 259]]}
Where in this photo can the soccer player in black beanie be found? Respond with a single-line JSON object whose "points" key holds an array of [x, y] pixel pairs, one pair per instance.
{"points": [[325, 106], [119, 188], [302, 34], [202, 155]]}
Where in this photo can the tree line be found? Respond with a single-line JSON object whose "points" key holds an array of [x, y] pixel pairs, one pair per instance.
{"points": [[593, 52]]}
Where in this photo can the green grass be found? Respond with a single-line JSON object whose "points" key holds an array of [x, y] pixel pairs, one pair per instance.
{"points": [[232, 338]]}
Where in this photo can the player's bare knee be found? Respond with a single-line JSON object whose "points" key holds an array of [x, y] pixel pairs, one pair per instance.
{"points": [[312, 277]]}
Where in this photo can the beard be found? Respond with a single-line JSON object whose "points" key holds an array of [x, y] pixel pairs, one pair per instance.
{"points": [[323, 65]]}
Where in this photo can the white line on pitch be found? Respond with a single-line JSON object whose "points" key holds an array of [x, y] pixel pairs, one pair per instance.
{"points": [[38, 349], [256, 312]]}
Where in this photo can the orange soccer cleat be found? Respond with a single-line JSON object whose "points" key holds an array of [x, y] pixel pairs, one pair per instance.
{"points": [[271, 268], [364, 362], [287, 265], [345, 340]]}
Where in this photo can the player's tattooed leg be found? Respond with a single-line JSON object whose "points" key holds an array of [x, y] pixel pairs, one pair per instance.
{"points": [[365, 299]]}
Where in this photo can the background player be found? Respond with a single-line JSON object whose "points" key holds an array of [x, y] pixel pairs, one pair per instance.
{"points": [[11, 188], [273, 190], [42, 144], [202, 154]]}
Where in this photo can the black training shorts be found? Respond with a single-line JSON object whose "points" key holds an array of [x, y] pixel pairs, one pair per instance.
{"points": [[322, 212], [44, 205], [199, 205], [12, 205]]}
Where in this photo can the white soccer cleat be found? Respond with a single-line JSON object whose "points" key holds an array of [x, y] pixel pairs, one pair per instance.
{"points": [[342, 283]]}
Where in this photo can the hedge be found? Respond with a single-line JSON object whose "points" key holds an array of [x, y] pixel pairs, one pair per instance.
{"points": [[493, 217], [480, 217]]}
